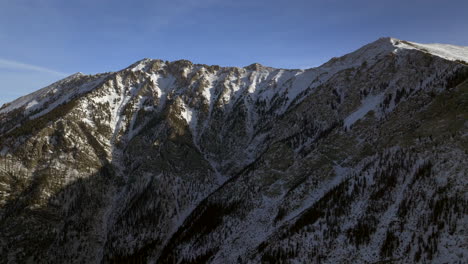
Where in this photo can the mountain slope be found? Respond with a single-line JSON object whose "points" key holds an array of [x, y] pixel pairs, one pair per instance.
{"points": [[363, 158]]}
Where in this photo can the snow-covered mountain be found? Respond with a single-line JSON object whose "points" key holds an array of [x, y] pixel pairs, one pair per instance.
{"points": [[362, 159]]}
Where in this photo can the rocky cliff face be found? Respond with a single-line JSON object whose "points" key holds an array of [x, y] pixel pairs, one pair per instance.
{"points": [[364, 159]]}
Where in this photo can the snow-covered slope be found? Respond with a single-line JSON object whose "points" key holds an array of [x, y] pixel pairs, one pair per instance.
{"points": [[446, 51], [362, 159], [39, 98]]}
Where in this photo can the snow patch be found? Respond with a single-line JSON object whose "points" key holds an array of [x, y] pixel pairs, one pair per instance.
{"points": [[300, 83], [367, 105], [31, 104], [187, 114]]}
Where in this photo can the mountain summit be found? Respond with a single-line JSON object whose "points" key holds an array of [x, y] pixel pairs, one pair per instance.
{"points": [[364, 158]]}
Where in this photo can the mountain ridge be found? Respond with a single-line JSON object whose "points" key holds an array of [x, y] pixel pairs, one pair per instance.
{"points": [[361, 158], [389, 44]]}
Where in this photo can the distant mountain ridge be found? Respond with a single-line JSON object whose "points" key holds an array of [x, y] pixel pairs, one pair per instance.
{"points": [[364, 158]]}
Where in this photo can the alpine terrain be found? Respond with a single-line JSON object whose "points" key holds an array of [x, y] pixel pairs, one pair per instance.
{"points": [[361, 160]]}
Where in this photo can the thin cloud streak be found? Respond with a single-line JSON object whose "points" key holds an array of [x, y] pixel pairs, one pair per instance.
{"points": [[9, 64]]}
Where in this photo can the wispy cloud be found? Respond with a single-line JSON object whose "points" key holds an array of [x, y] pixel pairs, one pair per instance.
{"points": [[9, 64]]}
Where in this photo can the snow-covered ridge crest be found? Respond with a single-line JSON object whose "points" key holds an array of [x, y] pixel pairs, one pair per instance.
{"points": [[290, 82], [34, 99], [387, 45], [445, 51]]}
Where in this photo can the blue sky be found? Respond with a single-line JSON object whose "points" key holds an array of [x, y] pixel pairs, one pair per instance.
{"points": [[42, 41]]}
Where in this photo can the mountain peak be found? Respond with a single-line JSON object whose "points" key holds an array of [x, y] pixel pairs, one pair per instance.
{"points": [[76, 74], [254, 66], [141, 64], [386, 40]]}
